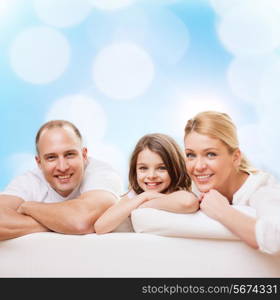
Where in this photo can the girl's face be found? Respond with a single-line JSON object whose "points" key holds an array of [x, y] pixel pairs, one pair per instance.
{"points": [[209, 163], [151, 172]]}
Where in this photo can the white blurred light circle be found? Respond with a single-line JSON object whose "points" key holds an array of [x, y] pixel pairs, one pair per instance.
{"points": [[189, 106], [4, 6], [222, 7], [123, 71], [250, 30], [269, 89], [270, 136], [167, 37], [87, 114], [62, 13], [21, 162], [250, 139], [109, 153], [40, 54], [111, 4], [245, 75]]}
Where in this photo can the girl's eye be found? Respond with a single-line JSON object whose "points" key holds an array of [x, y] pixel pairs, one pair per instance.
{"points": [[190, 155], [142, 168], [162, 168]]}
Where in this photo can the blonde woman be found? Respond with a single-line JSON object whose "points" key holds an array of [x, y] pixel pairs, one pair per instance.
{"points": [[222, 176], [157, 179]]}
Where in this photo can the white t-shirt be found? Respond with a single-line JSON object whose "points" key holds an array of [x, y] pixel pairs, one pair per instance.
{"points": [[262, 192], [32, 185]]}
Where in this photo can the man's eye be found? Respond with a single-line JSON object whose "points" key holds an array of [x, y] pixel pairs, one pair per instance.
{"points": [[52, 157], [70, 154]]}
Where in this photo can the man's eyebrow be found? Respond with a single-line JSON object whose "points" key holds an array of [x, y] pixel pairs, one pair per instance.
{"points": [[70, 150], [49, 154]]}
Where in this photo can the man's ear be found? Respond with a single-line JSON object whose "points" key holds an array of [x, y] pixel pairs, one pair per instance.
{"points": [[237, 156], [84, 153], [38, 161]]}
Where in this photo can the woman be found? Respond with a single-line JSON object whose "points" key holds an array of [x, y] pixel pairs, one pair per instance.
{"points": [[222, 176]]}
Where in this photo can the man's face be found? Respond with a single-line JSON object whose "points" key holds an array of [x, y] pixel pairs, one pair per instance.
{"points": [[61, 159]]}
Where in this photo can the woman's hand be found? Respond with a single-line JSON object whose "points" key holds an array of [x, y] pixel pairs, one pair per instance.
{"points": [[214, 204]]}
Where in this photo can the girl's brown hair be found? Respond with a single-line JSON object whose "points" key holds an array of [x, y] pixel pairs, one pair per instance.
{"points": [[219, 126], [172, 156]]}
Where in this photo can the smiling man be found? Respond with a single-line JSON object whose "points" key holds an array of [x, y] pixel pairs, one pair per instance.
{"points": [[66, 193]]}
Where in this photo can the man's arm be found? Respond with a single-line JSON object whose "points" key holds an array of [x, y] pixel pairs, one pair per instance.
{"points": [[76, 216], [14, 224]]}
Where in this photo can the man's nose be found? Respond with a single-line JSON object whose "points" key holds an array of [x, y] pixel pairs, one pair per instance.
{"points": [[62, 164]]}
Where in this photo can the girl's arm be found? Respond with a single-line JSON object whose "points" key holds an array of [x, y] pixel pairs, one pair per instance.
{"points": [[216, 206], [178, 202], [117, 213]]}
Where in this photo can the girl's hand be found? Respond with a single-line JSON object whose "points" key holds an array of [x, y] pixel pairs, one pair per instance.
{"points": [[148, 196]]}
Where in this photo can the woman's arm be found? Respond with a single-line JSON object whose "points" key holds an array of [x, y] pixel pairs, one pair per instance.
{"points": [[216, 206], [178, 202], [117, 213]]}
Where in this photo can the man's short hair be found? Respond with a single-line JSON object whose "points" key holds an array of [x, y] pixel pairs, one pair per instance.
{"points": [[53, 124]]}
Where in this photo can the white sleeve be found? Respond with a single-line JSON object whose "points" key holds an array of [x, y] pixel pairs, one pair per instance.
{"points": [[22, 187], [268, 234], [267, 203], [101, 176]]}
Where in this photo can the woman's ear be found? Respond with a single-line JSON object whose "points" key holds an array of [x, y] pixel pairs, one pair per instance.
{"points": [[236, 158], [84, 153]]}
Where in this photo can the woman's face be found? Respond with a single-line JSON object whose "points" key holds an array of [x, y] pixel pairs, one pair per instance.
{"points": [[151, 171], [209, 163]]}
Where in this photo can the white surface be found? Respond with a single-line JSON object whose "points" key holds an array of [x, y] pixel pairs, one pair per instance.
{"points": [[131, 255], [193, 225]]}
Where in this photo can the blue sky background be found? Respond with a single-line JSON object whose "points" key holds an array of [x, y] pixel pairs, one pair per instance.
{"points": [[121, 69]]}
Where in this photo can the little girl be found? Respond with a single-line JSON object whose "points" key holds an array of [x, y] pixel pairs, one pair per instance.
{"points": [[157, 179]]}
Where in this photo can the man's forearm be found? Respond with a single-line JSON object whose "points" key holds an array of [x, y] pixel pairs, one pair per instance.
{"points": [[13, 225], [75, 216], [51, 215]]}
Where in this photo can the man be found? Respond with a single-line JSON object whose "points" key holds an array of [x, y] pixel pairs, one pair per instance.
{"points": [[66, 193]]}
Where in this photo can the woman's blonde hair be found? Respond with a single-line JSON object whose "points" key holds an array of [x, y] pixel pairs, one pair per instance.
{"points": [[172, 156], [219, 126]]}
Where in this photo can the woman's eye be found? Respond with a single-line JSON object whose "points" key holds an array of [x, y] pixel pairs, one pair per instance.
{"points": [[211, 154], [189, 155]]}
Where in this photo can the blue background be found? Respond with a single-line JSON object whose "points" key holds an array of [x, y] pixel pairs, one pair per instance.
{"points": [[121, 69]]}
